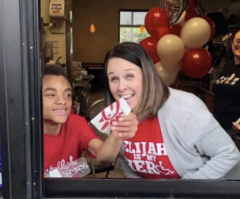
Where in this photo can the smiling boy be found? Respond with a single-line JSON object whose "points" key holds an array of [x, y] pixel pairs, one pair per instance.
{"points": [[67, 135]]}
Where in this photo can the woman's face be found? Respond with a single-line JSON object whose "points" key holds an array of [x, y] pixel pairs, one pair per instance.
{"points": [[125, 80], [236, 45]]}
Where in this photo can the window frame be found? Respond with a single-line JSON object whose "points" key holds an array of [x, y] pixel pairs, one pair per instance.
{"points": [[20, 101], [20, 105], [128, 26], [141, 188]]}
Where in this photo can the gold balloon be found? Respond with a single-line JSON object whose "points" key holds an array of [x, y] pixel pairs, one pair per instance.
{"points": [[168, 72], [195, 32], [170, 48]]}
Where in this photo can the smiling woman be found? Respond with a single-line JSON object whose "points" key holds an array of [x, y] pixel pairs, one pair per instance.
{"points": [[177, 137], [227, 89]]}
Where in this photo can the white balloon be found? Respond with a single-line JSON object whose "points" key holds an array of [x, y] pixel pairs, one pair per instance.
{"points": [[195, 32], [170, 49], [168, 72]]}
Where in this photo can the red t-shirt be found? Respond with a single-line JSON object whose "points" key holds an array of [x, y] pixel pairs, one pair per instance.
{"points": [[72, 111], [146, 154], [69, 144]]}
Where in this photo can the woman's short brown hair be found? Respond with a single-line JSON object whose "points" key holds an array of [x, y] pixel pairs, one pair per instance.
{"points": [[234, 35], [154, 91]]}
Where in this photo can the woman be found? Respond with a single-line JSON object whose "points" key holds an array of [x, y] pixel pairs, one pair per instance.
{"points": [[227, 89], [177, 136]]}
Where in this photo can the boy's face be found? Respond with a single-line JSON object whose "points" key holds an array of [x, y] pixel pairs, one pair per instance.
{"points": [[57, 98]]}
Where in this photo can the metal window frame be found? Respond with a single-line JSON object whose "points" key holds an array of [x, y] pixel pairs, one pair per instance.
{"points": [[20, 106], [68, 38], [136, 188], [21, 130], [132, 17], [131, 25]]}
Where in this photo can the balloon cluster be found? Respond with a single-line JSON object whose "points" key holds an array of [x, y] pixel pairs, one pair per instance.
{"points": [[180, 46]]}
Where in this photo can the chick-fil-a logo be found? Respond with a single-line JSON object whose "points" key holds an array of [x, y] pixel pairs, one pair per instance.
{"points": [[110, 114]]}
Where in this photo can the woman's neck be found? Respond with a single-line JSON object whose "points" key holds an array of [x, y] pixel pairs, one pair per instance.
{"points": [[236, 60], [51, 128]]}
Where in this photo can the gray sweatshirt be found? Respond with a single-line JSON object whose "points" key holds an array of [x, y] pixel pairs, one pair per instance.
{"points": [[197, 146]]}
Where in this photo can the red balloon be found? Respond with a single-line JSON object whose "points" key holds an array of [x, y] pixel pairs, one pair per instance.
{"points": [[156, 22], [150, 45], [212, 26], [175, 29], [196, 62], [159, 32], [191, 10]]}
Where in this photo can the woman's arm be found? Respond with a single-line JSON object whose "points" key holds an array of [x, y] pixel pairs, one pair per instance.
{"points": [[222, 152], [197, 136], [205, 134]]}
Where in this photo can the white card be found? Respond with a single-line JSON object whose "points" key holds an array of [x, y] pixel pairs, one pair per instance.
{"points": [[104, 119]]}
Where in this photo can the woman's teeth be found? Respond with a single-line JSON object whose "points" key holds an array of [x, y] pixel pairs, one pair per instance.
{"points": [[60, 111], [127, 96]]}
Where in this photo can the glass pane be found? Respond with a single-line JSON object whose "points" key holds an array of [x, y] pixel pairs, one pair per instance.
{"points": [[132, 34], [125, 18], [138, 18]]}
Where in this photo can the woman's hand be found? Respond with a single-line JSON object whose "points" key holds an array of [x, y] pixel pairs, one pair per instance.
{"points": [[125, 127], [236, 125]]}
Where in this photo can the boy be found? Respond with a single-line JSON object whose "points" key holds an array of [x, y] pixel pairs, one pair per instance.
{"points": [[67, 135]]}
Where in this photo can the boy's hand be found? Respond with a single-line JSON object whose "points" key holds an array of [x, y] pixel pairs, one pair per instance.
{"points": [[125, 127]]}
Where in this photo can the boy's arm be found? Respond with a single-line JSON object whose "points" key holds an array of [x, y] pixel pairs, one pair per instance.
{"points": [[124, 128], [105, 151]]}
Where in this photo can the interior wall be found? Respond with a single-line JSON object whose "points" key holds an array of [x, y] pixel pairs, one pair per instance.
{"points": [[228, 7], [92, 47], [235, 7], [60, 38], [216, 5]]}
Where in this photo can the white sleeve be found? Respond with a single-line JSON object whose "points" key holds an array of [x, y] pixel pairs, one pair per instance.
{"points": [[202, 132], [127, 171]]}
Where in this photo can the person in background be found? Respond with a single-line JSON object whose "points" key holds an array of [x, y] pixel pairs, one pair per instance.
{"points": [[227, 89], [67, 135], [177, 136]]}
